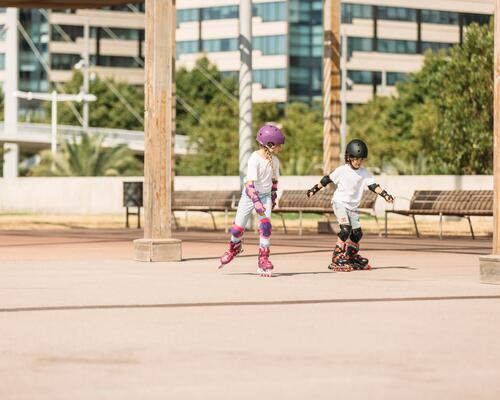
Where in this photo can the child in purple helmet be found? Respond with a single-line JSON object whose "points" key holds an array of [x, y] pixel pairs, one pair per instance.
{"points": [[259, 193]]}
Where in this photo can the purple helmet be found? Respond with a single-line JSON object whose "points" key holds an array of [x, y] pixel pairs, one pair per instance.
{"points": [[270, 134]]}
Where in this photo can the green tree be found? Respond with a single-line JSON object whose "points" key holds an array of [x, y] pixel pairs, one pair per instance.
{"points": [[465, 105], [88, 157], [441, 120], [303, 151], [196, 89], [108, 111], [214, 140]]}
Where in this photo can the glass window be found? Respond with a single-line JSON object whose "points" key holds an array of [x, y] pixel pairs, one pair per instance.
{"points": [[187, 15], [435, 46], [439, 17], [397, 14], [481, 19], [397, 46], [63, 33], [270, 78], [186, 47], [359, 44], [64, 61], [3, 32], [2, 61], [270, 45], [218, 45], [351, 11], [365, 77], [270, 11], [115, 33], [134, 7], [225, 12], [115, 61], [395, 77]]}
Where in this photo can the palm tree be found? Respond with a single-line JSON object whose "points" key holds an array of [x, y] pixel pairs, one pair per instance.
{"points": [[88, 157]]}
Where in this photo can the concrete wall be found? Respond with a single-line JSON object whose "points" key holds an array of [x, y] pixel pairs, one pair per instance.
{"points": [[99, 195]]}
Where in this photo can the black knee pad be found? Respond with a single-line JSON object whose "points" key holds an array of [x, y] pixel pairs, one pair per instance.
{"points": [[345, 231], [356, 235]]}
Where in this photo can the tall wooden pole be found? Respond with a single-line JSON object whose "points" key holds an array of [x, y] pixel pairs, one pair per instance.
{"points": [[158, 244], [490, 265], [496, 135], [174, 92], [331, 85]]}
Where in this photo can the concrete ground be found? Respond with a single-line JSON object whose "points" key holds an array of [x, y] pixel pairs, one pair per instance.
{"points": [[80, 320]]}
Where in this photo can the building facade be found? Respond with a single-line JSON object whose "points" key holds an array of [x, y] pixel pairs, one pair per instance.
{"points": [[386, 40]]}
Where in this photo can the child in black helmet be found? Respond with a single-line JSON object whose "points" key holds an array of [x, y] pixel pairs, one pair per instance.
{"points": [[350, 179]]}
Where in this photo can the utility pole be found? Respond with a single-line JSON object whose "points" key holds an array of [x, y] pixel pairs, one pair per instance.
{"points": [[86, 72], [343, 97], [54, 97], [490, 265], [245, 144], [11, 155], [331, 86]]}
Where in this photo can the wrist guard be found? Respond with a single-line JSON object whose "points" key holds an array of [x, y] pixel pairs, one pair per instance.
{"points": [[386, 196], [315, 189], [274, 192], [254, 196]]}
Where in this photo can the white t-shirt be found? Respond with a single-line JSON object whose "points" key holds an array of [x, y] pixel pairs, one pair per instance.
{"points": [[350, 185], [260, 172]]}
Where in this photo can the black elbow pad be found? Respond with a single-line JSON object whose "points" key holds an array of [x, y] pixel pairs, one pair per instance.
{"points": [[325, 181], [373, 187]]}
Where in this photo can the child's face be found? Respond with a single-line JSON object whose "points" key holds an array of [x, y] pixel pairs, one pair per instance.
{"points": [[277, 148], [357, 162]]}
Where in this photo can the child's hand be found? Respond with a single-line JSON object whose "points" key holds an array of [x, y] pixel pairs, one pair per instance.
{"points": [[389, 198], [311, 192], [260, 209]]}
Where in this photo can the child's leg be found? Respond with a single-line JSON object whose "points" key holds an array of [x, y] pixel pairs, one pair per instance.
{"points": [[339, 261], [352, 249], [265, 227], [245, 208]]}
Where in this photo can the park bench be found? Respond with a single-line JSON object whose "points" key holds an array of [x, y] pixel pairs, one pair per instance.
{"points": [[208, 201], [457, 203], [296, 201]]}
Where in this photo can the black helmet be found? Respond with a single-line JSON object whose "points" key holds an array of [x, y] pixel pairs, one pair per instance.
{"points": [[356, 148]]}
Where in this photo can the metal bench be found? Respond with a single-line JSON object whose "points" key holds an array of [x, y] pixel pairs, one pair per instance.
{"points": [[208, 201], [457, 203], [132, 197], [321, 203]]}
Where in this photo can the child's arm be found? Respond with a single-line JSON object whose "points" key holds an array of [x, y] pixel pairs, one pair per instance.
{"points": [[324, 182], [381, 192], [254, 196], [274, 192]]}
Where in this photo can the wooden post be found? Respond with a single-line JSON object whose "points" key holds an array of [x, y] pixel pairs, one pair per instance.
{"points": [[174, 91], [331, 86], [490, 265], [158, 244]]}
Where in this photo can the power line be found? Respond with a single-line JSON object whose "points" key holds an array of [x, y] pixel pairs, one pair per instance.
{"points": [[203, 71], [45, 66], [108, 84]]}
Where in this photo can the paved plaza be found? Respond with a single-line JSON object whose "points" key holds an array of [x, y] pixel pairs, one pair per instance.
{"points": [[80, 320]]}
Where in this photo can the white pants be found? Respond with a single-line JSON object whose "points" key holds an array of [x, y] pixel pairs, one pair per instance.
{"points": [[245, 209]]}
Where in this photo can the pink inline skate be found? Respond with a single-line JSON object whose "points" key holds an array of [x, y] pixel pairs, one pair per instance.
{"points": [[229, 254], [265, 265]]}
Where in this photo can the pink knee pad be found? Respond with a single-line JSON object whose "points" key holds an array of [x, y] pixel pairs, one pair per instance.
{"points": [[265, 227], [237, 231]]}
